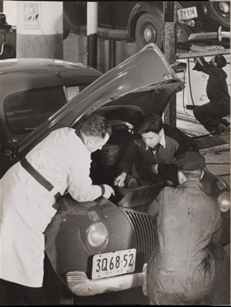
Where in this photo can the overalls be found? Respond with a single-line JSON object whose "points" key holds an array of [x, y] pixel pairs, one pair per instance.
{"points": [[189, 259]]}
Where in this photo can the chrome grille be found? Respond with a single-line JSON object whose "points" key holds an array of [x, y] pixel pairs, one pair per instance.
{"points": [[145, 233]]}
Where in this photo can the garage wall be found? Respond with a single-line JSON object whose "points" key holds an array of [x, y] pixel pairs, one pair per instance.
{"points": [[75, 50]]}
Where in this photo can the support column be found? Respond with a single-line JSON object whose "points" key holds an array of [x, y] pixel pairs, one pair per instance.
{"points": [[92, 26], [170, 53], [112, 53], [40, 29]]}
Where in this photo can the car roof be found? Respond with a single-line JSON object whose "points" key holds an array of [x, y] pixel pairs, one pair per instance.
{"points": [[24, 73], [48, 65]]}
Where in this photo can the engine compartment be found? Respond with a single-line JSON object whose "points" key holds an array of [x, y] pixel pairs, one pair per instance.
{"points": [[105, 161]]}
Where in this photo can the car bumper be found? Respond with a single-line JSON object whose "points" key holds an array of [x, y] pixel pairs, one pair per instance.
{"points": [[80, 285], [210, 35]]}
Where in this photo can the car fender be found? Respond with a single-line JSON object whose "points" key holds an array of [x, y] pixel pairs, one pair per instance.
{"points": [[66, 245]]}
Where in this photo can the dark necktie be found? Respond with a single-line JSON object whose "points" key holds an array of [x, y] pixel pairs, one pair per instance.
{"points": [[156, 147]]}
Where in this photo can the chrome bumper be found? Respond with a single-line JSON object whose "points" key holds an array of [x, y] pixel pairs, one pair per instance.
{"points": [[80, 285], [210, 35]]}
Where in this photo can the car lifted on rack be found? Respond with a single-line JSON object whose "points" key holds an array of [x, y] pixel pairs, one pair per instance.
{"points": [[143, 22]]}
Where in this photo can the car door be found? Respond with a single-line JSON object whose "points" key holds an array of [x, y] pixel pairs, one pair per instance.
{"points": [[23, 112]]}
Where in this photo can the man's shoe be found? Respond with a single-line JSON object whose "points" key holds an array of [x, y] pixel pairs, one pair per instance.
{"points": [[218, 130]]}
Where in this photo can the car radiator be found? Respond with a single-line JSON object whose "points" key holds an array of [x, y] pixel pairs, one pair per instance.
{"points": [[145, 233]]}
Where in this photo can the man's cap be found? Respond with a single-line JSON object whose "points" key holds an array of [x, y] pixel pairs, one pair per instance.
{"points": [[190, 161]]}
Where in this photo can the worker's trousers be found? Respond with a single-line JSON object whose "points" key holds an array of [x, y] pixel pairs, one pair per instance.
{"points": [[183, 285], [210, 115]]}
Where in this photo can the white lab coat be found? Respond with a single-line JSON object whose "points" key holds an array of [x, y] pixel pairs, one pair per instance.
{"points": [[26, 206]]}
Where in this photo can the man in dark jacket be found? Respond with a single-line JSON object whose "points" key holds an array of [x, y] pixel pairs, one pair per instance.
{"points": [[153, 151], [189, 264], [210, 114]]}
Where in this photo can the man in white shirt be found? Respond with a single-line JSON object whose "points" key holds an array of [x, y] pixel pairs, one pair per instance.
{"points": [[29, 192]]}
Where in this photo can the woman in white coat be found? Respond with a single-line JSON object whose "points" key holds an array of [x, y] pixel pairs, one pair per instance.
{"points": [[29, 190]]}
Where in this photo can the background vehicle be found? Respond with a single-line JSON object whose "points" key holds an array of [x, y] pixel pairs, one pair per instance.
{"points": [[31, 91], [102, 246], [143, 22], [211, 14]]}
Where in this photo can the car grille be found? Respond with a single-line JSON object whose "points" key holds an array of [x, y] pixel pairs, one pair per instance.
{"points": [[145, 233]]}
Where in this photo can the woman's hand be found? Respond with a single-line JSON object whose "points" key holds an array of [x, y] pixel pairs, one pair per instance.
{"points": [[120, 179]]}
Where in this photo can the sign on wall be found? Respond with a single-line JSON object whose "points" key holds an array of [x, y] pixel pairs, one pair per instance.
{"points": [[31, 11]]}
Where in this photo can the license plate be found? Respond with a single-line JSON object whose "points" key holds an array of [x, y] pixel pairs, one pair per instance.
{"points": [[113, 263], [188, 13]]}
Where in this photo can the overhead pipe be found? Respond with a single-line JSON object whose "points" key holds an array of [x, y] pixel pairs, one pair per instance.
{"points": [[92, 36]]}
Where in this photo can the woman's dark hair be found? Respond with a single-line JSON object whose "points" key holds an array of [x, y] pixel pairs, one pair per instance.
{"points": [[149, 123], [220, 60], [96, 126]]}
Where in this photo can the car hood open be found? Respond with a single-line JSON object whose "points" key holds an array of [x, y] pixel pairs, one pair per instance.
{"points": [[147, 70]]}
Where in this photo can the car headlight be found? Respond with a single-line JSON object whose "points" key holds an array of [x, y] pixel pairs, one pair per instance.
{"points": [[224, 201], [97, 235]]}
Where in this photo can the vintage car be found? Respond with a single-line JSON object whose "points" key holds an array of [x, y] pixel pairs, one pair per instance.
{"points": [[103, 245], [143, 22], [31, 91]]}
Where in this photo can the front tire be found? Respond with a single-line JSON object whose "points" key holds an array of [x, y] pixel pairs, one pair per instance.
{"points": [[149, 29], [218, 12]]}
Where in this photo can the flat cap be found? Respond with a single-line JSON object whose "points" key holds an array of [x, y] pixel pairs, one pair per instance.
{"points": [[190, 161]]}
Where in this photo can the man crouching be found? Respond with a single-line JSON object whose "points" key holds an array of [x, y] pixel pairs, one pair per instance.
{"points": [[189, 264]]}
